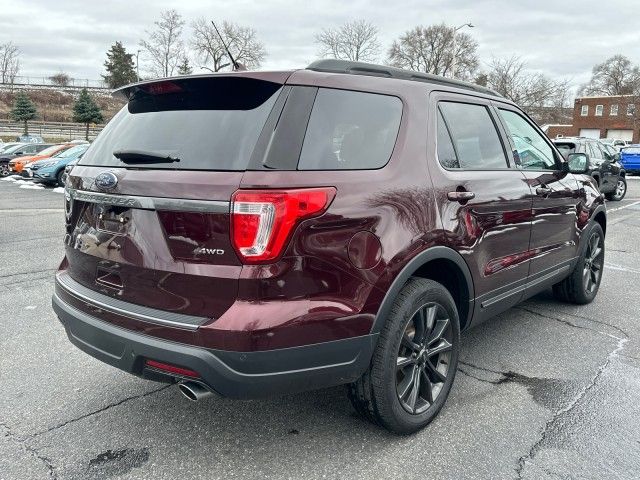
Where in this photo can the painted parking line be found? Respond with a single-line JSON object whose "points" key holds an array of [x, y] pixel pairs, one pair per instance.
{"points": [[637, 202]]}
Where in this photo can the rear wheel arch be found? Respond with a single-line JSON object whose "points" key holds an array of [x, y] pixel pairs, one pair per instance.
{"points": [[600, 217], [443, 265]]}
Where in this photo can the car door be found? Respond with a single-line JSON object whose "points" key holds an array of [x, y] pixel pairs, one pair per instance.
{"points": [[484, 203], [555, 196]]}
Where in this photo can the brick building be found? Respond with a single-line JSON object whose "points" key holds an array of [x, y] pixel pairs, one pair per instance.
{"points": [[603, 117]]}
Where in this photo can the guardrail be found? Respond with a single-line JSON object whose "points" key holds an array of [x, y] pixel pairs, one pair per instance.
{"points": [[57, 130], [48, 82]]}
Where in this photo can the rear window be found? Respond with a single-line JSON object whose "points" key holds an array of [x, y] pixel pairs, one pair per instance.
{"points": [[566, 149], [350, 130], [631, 150], [208, 123]]}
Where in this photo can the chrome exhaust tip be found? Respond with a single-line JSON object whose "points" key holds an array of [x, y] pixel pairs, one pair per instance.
{"points": [[194, 391]]}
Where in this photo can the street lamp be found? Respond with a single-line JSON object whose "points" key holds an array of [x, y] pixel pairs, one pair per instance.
{"points": [[138, 68], [453, 53]]}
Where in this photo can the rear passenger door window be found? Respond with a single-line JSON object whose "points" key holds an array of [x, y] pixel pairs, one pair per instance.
{"points": [[473, 143], [531, 150], [350, 130]]}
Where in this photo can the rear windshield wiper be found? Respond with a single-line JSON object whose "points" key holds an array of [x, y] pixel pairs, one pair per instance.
{"points": [[144, 156]]}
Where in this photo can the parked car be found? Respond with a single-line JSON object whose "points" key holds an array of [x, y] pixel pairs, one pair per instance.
{"points": [[603, 167], [17, 164], [18, 150], [29, 139], [67, 170], [614, 142], [630, 159], [6, 146], [249, 258], [51, 170]]}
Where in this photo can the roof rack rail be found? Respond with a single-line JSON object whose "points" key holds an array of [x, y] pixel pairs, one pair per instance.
{"points": [[331, 65]]}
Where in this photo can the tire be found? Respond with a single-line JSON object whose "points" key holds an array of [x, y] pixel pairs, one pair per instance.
{"points": [[60, 178], [619, 192], [387, 394], [582, 286], [4, 169]]}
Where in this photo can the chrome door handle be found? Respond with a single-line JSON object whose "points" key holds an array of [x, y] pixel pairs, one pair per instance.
{"points": [[543, 191], [460, 196]]}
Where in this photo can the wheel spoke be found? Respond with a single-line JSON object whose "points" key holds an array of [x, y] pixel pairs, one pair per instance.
{"points": [[403, 362], [410, 344], [585, 275], [442, 346], [405, 385], [593, 244], [438, 330], [415, 391], [427, 387], [596, 253], [435, 373]]}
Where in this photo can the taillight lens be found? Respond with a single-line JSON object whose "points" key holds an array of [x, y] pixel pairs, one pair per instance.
{"points": [[262, 220]]}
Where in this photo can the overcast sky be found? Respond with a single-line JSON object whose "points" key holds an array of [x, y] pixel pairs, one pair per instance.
{"points": [[562, 38]]}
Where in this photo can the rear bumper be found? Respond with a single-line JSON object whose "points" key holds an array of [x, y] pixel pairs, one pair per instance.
{"points": [[228, 373]]}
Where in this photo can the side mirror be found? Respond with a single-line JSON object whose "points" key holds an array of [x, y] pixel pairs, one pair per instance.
{"points": [[616, 157], [577, 163]]}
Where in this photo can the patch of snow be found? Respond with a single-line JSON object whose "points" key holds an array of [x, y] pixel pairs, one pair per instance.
{"points": [[58, 190], [9, 179], [30, 307], [32, 186], [22, 182]]}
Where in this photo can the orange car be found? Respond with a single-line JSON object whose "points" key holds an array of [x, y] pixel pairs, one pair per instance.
{"points": [[17, 164]]}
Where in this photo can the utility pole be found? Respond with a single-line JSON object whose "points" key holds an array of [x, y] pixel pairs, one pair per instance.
{"points": [[453, 52]]}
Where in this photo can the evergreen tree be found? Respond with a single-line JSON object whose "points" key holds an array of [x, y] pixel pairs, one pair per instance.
{"points": [[23, 110], [185, 68], [86, 111], [119, 66]]}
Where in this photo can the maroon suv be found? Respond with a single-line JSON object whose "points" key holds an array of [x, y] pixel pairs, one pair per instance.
{"points": [[252, 233]]}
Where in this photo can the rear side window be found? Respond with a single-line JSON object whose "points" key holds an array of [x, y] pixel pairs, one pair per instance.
{"points": [[474, 136], [446, 153], [350, 131], [208, 123]]}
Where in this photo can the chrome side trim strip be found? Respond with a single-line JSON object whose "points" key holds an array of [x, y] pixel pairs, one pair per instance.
{"points": [[150, 203]]}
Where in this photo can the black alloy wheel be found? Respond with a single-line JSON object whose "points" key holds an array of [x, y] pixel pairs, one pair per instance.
{"points": [[593, 263], [424, 358]]}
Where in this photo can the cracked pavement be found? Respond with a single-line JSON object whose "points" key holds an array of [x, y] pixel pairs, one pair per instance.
{"points": [[544, 391]]}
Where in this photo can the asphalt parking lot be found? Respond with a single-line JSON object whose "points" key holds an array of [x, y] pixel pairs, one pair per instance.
{"points": [[546, 390]]}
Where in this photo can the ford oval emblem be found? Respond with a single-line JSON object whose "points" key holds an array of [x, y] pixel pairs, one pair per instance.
{"points": [[106, 181]]}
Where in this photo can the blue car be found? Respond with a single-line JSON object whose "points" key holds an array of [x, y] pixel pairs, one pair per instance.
{"points": [[630, 158], [50, 170]]}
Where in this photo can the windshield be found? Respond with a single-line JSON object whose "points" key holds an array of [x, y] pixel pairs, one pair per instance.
{"points": [[72, 152], [14, 149], [208, 124], [47, 152]]}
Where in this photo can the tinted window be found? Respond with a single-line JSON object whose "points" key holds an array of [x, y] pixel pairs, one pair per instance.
{"points": [[350, 131], [474, 135], [532, 152], [446, 153], [209, 124]]}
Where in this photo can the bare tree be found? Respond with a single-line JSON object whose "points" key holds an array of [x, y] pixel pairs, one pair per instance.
{"points": [[241, 41], [355, 41], [9, 62], [539, 95], [60, 79], [430, 50], [615, 76], [164, 45]]}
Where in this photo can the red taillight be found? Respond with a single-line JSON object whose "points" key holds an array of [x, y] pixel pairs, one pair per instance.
{"points": [[166, 367], [262, 220]]}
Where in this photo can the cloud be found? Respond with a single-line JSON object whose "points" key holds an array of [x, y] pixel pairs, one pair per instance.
{"points": [[73, 35]]}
